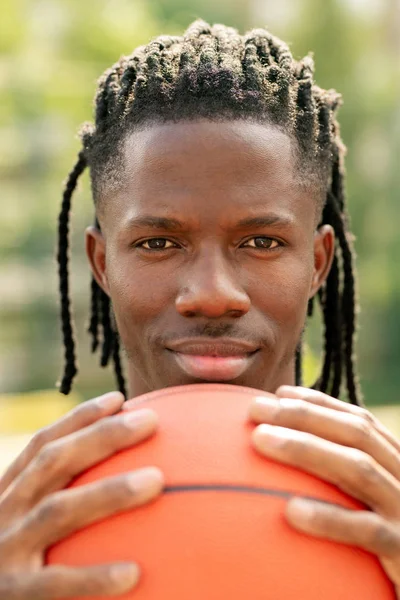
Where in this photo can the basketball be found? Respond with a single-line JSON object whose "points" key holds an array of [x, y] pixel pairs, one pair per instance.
{"points": [[218, 531]]}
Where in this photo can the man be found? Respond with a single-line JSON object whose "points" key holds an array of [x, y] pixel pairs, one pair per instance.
{"points": [[217, 176]]}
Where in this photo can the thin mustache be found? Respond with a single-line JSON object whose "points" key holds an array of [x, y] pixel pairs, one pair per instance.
{"points": [[212, 330]]}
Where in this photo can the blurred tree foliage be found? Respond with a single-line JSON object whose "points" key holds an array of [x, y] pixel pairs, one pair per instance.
{"points": [[51, 53]]}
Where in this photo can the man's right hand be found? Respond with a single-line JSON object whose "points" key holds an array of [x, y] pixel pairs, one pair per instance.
{"points": [[36, 511]]}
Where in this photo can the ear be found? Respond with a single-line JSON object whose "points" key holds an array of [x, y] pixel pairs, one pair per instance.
{"points": [[324, 251], [96, 253]]}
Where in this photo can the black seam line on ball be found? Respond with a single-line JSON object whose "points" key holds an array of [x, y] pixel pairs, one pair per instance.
{"points": [[171, 489]]}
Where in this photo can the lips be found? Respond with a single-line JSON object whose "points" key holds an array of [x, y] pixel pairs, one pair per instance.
{"points": [[213, 361]]}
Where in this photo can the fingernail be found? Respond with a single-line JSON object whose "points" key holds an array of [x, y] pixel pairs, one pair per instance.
{"points": [[109, 399], [125, 573], [264, 401], [273, 435], [291, 390], [145, 478], [136, 418], [300, 509], [301, 392]]}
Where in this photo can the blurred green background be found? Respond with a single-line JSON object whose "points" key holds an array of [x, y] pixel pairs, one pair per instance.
{"points": [[51, 53]]}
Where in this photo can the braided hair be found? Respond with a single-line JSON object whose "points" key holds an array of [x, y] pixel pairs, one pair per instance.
{"points": [[213, 72]]}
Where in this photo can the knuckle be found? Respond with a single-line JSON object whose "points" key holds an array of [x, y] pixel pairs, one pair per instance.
{"points": [[51, 458], [109, 430], [107, 583], [363, 433], [97, 581], [37, 442], [127, 489], [91, 585], [46, 456], [124, 429], [115, 429], [84, 415], [367, 416], [294, 449], [10, 587], [320, 518], [111, 433], [51, 510], [299, 411], [367, 474], [120, 490], [383, 538], [90, 412]]}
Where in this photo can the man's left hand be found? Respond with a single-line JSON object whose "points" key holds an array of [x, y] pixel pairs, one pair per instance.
{"points": [[347, 446]]}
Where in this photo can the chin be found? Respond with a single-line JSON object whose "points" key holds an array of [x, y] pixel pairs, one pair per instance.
{"points": [[250, 382]]}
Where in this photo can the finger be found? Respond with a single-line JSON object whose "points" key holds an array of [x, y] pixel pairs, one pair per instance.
{"points": [[364, 529], [81, 416], [341, 427], [353, 471], [316, 397], [67, 582], [61, 460], [63, 513]]}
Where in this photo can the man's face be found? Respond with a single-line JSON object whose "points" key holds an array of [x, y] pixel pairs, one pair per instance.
{"points": [[209, 252]]}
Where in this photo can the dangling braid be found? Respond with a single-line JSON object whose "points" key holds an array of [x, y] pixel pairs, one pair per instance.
{"points": [[213, 72], [70, 369], [299, 366], [118, 366], [93, 328]]}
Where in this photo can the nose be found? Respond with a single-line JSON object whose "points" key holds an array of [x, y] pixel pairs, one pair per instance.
{"points": [[211, 289]]}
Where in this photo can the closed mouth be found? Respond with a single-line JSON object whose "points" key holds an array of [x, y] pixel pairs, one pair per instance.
{"points": [[213, 361], [213, 348]]}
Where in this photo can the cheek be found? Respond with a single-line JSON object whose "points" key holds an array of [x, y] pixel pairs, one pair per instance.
{"points": [[138, 294], [283, 289]]}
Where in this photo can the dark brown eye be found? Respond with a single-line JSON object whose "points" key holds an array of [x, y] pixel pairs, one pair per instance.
{"points": [[262, 242], [157, 244]]}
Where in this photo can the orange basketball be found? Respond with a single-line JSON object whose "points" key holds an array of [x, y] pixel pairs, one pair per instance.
{"points": [[218, 531]]}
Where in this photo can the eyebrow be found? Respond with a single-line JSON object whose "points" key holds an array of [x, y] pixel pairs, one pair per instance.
{"points": [[156, 223], [264, 221], [170, 224]]}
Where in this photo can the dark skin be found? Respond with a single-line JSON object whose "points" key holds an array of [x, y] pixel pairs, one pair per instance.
{"points": [[240, 289], [215, 275]]}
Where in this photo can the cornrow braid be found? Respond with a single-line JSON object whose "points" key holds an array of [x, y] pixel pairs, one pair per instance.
{"points": [[306, 111], [213, 72]]}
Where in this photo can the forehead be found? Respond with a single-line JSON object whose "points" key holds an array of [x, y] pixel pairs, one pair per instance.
{"points": [[237, 149], [235, 162]]}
